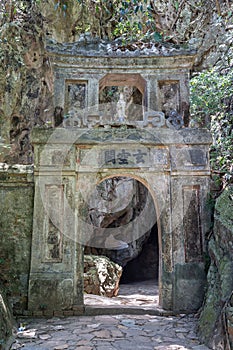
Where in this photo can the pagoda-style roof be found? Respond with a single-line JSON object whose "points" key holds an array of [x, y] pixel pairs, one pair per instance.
{"points": [[89, 46]]}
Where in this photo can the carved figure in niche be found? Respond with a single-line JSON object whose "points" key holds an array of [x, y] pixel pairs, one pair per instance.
{"points": [[76, 95], [75, 102], [121, 107], [170, 96], [55, 252], [53, 238], [53, 234], [53, 241]]}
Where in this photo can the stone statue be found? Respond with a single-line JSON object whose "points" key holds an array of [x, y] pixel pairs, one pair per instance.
{"points": [[121, 107]]}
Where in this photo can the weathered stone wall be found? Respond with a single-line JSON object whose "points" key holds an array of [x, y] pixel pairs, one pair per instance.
{"points": [[16, 208], [216, 322]]}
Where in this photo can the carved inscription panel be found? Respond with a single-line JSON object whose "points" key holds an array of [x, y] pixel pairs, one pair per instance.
{"points": [[123, 156]]}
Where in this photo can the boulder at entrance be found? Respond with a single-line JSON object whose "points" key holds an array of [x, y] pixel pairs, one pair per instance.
{"points": [[101, 276]]}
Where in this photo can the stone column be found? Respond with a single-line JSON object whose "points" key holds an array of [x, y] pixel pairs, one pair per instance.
{"points": [[189, 191], [55, 250]]}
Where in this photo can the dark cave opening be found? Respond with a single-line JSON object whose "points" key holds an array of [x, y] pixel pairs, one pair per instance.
{"points": [[146, 265], [138, 249]]}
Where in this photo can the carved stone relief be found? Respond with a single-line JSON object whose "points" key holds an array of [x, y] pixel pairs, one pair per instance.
{"points": [[130, 96], [75, 99], [53, 242], [53, 223], [169, 95]]}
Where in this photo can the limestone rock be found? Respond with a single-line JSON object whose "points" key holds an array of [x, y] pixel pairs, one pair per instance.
{"points": [[115, 205], [101, 276], [216, 316]]}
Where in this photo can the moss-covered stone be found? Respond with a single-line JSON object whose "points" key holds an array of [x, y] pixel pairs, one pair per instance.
{"points": [[220, 282], [16, 207], [224, 208]]}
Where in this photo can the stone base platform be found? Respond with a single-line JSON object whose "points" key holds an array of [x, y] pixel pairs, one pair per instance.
{"points": [[138, 298]]}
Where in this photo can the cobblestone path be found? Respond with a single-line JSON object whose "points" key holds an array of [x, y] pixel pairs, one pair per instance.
{"points": [[118, 332]]}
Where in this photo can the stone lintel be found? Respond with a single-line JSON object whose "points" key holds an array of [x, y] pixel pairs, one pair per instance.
{"points": [[132, 64], [160, 136], [46, 171], [193, 172]]}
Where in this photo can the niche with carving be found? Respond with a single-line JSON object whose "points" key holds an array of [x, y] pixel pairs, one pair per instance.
{"points": [[75, 97], [124, 92], [169, 96]]}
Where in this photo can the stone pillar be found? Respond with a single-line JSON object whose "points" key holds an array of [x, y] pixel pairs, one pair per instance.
{"points": [[189, 192], [93, 92], [53, 282], [160, 190], [59, 89], [152, 93]]}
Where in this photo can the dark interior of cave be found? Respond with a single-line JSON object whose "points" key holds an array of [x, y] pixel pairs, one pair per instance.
{"points": [[146, 265]]}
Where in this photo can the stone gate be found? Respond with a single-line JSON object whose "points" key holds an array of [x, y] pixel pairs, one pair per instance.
{"points": [[125, 114]]}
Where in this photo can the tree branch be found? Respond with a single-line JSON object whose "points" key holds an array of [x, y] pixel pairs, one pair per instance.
{"points": [[178, 14]]}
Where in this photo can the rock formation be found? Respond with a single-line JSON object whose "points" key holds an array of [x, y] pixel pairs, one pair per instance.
{"points": [[121, 200], [26, 82], [216, 322], [101, 276]]}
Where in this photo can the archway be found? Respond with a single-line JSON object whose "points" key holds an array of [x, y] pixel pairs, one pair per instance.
{"points": [[72, 163], [122, 210]]}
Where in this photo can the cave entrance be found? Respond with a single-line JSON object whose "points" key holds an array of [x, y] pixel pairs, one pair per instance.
{"points": [[122, 212]]}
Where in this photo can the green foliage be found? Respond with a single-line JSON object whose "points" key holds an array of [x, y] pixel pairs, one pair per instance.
{"points": [[209, 93], [130, 19], [61, 4], [13, 10], [212, 107], [135, 21]]}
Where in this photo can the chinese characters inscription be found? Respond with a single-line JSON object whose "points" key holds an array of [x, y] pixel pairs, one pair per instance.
{"points": [[125, 157]]}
